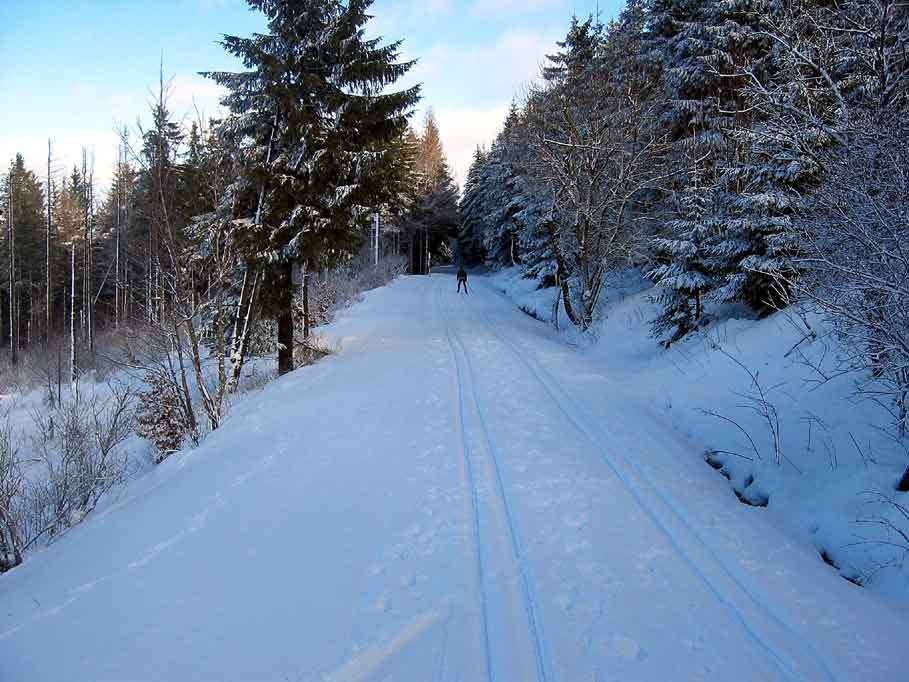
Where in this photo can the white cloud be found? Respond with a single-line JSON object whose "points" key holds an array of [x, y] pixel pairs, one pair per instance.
{"points": [[192, 94], [490, 75], [490, 8], [484, 74], [394, 18], [463, 129]]}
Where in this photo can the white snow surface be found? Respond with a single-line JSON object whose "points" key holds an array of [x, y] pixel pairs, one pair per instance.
{"points": [[455, 495], [833, 488]]}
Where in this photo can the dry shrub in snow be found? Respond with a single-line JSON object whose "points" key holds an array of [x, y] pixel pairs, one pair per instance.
{"points": [[310, 351], [77, 447], [337, 288], [161, 417], [11, 480], [53, 476]]}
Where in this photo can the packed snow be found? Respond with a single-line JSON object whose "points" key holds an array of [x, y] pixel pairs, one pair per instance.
{"points": [[457, 494]]}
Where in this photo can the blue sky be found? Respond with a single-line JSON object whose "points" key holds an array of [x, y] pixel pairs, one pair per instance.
{"points": [[72, 71]]}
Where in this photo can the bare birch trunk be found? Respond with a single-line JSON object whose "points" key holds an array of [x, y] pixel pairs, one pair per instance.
{"points": [[47, 255], [306, 318], [117, 240], [73, 370], [89, 258], [14, 359], [242, 325]]}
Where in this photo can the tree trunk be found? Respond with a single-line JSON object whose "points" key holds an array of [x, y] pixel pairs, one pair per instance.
{"points": [[47, 255], [285, 319], [562, 276], [73, 370], [242, 327], [211, 404], [13, 356], [555, 305], [148, 284], [117, 240], [11, 545], [306, 318], [185, 396]]}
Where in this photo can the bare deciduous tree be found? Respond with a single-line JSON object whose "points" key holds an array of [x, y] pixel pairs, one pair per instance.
{"points": [[596, 149]]}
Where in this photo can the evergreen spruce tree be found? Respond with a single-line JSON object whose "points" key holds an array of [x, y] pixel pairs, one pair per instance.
{"points": [[735, 251], [316, 129], [674, 48], [114, 223], [530, 204], [686, 268], [472, 213], [23, 255], [576, 52], [159, 238], [762, 178], [500, 239]]}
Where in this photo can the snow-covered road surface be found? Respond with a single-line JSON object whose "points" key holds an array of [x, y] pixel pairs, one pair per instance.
{"points": [[454, 496]]}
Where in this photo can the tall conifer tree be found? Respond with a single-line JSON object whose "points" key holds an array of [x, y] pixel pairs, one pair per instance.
{"points": [[317, 132]]}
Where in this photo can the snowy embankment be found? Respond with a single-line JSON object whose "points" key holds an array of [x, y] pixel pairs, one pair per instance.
{"points": [[834, 483]]}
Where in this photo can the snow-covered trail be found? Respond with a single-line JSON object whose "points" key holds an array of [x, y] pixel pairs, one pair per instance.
{"points": [[454, 496]]}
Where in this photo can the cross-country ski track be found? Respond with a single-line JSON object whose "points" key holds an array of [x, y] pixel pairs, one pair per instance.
{"points": [[456, 495]]}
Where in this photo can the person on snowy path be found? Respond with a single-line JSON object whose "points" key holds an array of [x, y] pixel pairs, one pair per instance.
{"points": [[462, 279]]}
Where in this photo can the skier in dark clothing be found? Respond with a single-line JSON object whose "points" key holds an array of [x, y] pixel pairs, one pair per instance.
{"points": [[462, 279]]}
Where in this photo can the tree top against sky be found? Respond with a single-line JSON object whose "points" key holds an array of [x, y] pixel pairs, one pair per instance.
{"points": [[97, 62]]}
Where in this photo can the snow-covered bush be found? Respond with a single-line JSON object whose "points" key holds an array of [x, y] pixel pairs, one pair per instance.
{"points": [[858, 262]]}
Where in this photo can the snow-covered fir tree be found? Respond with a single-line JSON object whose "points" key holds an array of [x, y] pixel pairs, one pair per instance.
{"points": [[500, 239], [317, 125], [686, 267], [472, 213]]}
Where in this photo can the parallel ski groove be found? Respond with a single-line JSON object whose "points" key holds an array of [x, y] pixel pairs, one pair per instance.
{"points": [[593, 433], [530, 607], [475, 507]]}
